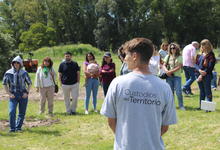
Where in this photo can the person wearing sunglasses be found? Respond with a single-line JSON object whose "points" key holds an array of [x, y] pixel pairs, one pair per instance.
{"points": [[205, 63], [172, 66], [17, 85], [138, 113], [124, 67]]}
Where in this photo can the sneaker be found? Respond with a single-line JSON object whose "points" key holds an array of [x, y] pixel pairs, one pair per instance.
{"points": [[18, 130], [198, 108], [11, 131], [86, 112], [182, 108], [68, 113], [73, 113], [185, 92], [50, 114], [96, 110]]}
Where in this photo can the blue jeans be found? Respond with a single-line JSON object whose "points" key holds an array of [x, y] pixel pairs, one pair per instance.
{"points": [[91, 86], [175, 84], [205, 88], [22, 105], [214, 80], [190, 77], [105, 88]]}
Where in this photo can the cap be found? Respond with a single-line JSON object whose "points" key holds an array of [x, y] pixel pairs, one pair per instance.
{"points": [[107, 54]]}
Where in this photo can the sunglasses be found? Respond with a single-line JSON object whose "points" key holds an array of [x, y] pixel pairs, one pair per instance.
{"points": [[16, 62], [173, 48]]}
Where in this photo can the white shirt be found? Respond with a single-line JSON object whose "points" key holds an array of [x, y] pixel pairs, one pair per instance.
{"points": [[154, 65], [42, 81]]}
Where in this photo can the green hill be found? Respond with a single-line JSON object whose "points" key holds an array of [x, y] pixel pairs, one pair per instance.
{"points": [[78, 50]]}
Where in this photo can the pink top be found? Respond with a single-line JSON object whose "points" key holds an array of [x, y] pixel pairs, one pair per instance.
{"points": [[189, 53]]}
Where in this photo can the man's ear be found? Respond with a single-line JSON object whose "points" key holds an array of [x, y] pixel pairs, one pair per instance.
{"points": [[135, 56]]}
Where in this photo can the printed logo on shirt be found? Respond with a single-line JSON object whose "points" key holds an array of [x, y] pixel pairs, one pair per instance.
{"points": [[137, 97]]}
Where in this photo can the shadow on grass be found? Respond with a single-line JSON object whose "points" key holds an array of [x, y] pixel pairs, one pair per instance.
{"points": [[65, 114], [189, 108], [45, 132], [7, 134]]}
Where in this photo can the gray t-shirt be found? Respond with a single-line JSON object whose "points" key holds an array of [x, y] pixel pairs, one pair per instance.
{"points": [[141, 104]]}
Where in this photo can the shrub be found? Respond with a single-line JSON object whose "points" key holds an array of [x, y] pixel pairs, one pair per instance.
{"points": [[37, 36]]}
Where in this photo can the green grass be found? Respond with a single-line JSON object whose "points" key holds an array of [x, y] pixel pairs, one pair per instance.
{"points": [[195, 130], [80, 132]]}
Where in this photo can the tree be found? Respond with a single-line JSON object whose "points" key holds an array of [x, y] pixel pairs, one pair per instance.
{"points": [[6, 47], [37, 36]]}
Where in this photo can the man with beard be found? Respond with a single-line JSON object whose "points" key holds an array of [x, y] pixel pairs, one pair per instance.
{"points": [[69, 75]]}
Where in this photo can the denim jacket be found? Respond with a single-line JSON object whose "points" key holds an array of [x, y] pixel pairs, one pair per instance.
{"points": [[20, 85]]}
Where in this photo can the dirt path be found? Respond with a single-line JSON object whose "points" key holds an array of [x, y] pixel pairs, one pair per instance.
{"points": [[58, 96], [29, 123]]}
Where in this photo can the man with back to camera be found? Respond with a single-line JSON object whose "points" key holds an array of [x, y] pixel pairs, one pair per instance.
{"points": [[140, 109], [69, 76], [189, 58]]}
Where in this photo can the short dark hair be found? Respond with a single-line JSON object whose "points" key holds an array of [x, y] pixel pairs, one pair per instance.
{"points": [[143, 46], [68, 53]]}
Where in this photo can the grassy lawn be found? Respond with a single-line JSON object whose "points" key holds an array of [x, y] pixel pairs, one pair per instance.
{"points": [[196, 130]]}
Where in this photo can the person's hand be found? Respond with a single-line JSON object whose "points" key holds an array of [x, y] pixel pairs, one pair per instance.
{"points": [[203, 73], [199, 79], [169, 73], [11, 95], [37, 90], [25, 95]]}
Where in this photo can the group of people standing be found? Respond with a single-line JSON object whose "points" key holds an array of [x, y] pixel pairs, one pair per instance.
{"points": [[133, 104], [140, 110], [17, 84], [195, 66], [95, 75], [69, 77]]}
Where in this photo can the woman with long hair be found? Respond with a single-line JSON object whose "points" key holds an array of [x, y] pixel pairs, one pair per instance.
{"points": [[44, 82], [205, 63], [163, 50], [107, 71], [173, 65], [92, 82]]}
